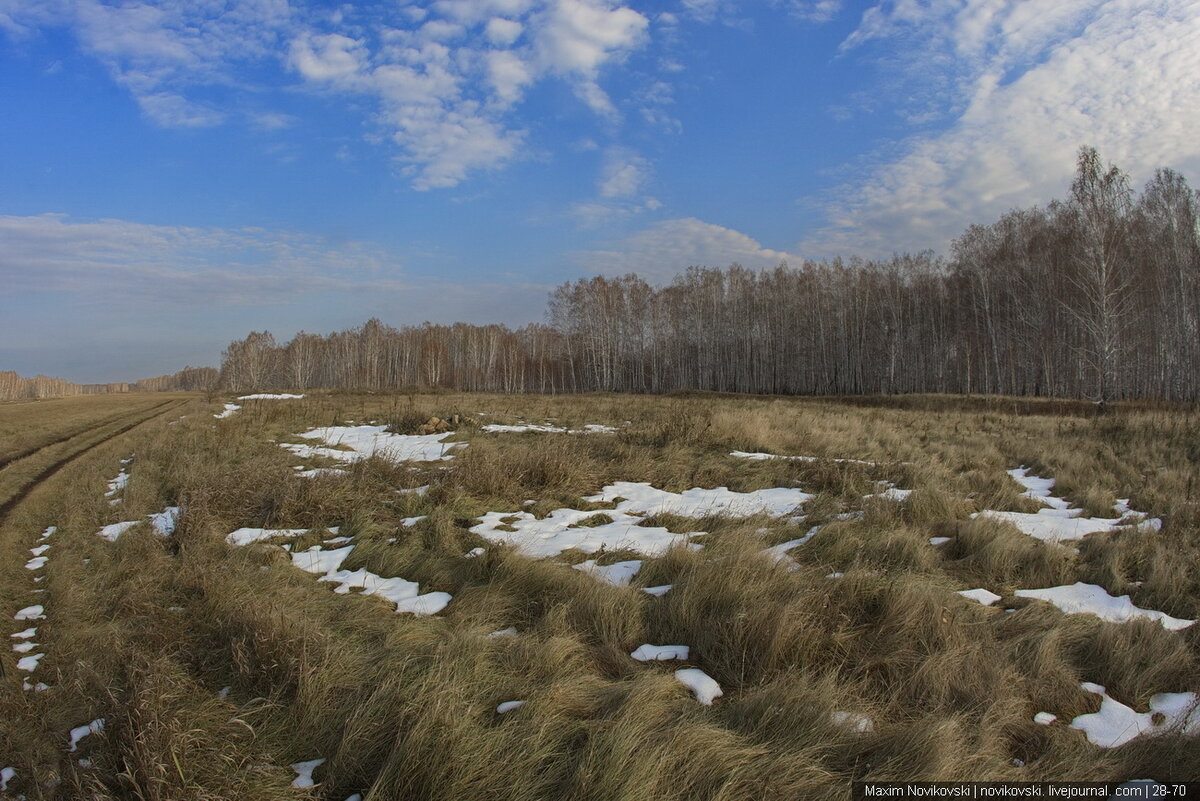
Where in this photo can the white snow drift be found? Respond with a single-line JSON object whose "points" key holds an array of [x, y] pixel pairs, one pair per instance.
{"points": [[1059, 522], [564, 529], [367, 441]]}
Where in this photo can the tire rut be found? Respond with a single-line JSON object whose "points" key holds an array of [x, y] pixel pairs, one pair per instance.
{"points": [[6, 461], [23, 491]]}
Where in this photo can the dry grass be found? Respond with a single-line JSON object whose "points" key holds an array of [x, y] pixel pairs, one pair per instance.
{"points": [[145, 631]]}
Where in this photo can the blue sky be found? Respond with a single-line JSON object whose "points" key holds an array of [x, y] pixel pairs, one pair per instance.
{"points": [[177, 173]]}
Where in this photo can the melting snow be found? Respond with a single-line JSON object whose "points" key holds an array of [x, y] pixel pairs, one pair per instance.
{"points": [[25, 647], [618, 574], [508, 632], [660, 653], [366, 441], [428, 604], [641, 498], [304, 772], [981, 595], [6, 776], [36, 612], [764, 456], [320, 562], [658, 591], [230, 408], [939, 540], [508, 706], [24, 635], [855, 721], [29, 663], [1059, 522], [246, 536], [38, 551], [1116, 724], [559, 531], [327, 564], [115, 530], [79, 732], [116, 486], [891, 494], [320, 471], [1044, 718], [36, 563], [702, 685], [1080, 598], [266, 396], [163, 523], [591, 428]]}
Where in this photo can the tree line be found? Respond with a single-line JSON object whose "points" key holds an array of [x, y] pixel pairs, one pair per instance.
{"points": [[14, 387], [1095, 296]]}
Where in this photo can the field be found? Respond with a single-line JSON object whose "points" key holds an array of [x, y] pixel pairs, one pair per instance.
{"points": [[268, 606]]}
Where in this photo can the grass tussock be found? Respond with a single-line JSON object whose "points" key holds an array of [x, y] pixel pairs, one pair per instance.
{"points": [[215, 667]]}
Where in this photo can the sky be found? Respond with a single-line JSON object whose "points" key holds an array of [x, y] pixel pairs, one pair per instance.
{"points": [[177, 173]]}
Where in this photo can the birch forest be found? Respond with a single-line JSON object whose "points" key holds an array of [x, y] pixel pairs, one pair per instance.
{"points": [[1096, 296]]}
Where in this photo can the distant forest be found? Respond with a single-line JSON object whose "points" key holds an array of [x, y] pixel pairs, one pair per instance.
{"points": [[1096, 296]]}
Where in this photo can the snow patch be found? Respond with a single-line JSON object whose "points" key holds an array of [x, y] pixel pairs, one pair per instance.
{"points": [[658, 591], [230, 408], [267, 396], [317, 472], [1044, 718], [660, 653], [702, 685], [508, 706], [79, 732], [619, 574], [367, 441], [247, 536], [304, 772], [163, 523], [981, 595], [1116, 724], [29, 663], [6, 776], [641, 498], [36, 612], [590, 428], [1080, 598], [1059, 522], [765, 456]]}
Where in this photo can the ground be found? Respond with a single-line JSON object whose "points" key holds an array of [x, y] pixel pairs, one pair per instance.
{"points": [[435, 642]]}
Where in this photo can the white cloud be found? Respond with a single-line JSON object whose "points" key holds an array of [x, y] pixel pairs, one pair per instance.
{"points": [[446, 77], [508, 75], [817, 11], [118, 258], [667, 248], [575, 38], [1120, 75], [623, 174], [503, 32], [331, 57], [446, 145], [160, 49], [446, 105], [174, 111]]}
